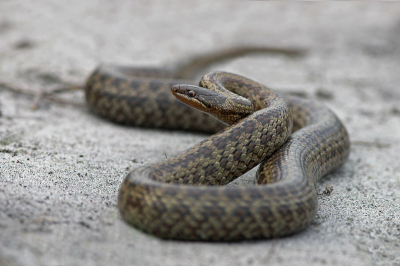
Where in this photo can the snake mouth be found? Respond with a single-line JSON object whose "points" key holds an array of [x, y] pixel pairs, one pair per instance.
{"points": [[183, 92], [189, 95], [197, 97], [215, 103], [177, 89]]}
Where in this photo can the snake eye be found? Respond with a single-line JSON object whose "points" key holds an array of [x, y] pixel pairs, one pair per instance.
{"points": [[191, 93]]}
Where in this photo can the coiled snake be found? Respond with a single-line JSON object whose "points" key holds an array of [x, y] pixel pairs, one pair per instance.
{"points": [[176, 198]]}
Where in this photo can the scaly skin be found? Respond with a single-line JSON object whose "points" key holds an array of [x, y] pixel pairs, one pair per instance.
{"points": [[175, 199]]}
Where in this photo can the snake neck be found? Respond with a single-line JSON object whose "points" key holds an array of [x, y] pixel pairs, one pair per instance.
{"points": [[240, 147], [225, 96]]}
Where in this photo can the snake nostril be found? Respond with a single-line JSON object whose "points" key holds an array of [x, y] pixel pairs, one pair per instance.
{"points": [[175, 88]]}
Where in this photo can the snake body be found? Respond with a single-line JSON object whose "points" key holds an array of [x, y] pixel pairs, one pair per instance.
{"points": [[180, 198]]}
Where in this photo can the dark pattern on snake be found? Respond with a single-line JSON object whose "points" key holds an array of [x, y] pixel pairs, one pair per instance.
{"points": [[170, 199]]}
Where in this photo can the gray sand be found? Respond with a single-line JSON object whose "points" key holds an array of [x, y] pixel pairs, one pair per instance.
{"points": [[61, 165]]}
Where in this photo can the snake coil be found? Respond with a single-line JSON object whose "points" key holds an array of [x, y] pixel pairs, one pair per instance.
{"points": [[181, 197]]}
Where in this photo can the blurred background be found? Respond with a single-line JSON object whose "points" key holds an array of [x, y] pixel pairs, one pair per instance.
{"points": [[68, 39], [62, 166]]}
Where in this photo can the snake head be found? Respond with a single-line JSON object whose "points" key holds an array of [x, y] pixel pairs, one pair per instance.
{"points": [[224, 107], [198, 97]]}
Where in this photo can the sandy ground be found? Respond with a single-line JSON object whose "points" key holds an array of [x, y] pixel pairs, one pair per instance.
{"points": [[61, 165]]}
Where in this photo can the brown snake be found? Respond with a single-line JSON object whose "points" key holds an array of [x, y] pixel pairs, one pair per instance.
{"points": [[174, 198]]}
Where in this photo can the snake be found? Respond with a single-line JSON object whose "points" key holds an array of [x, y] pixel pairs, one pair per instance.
{"points": [[295, 141]]}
